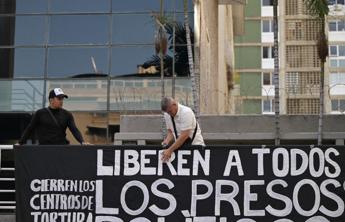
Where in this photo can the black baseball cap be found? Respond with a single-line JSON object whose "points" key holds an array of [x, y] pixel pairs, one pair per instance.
{"points": [[57, 92]]}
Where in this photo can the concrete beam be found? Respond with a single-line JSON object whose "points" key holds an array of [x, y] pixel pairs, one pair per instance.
{"points": [[227, 128]]}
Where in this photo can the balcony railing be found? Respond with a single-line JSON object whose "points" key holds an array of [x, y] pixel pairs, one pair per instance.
{"points": [[7, 187]]}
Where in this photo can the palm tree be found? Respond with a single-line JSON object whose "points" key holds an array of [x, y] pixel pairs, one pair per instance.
{"points": [[276, 73], [161, 44], [191, 61], [319, 9], [180, 53]]}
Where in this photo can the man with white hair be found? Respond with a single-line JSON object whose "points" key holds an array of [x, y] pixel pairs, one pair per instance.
{"points": [[182, 127], [51, 123]]}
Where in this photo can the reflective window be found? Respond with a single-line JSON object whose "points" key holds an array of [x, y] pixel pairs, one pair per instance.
{"points": [[78, 35], [341, 62], [133, 28], [128, 60], [80, 5], [341, 50], [80, 96], [21, 95], [29, 62], [334, 2], [30, 30], [67, 62], [334, 105], [267, 2], [31, 6], [337, 26], [266, 78], [341, 25], [338, 105], [337, 62], [334, 62], [147, 96], [150, 5], [267, 26], [140, 28], [342, 105], [337, 50], [179, 18], [180, 5], [79, 29], [267, 52], [332, 26], [333, 50], [333, 78], [267, 106], [337, 78]]}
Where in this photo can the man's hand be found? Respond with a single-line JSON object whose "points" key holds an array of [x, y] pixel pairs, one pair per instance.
{"points": [[166, 154], [164, 145], [86, 143]]}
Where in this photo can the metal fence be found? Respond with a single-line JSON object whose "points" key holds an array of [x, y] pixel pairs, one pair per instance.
{"points": [[7, 180]]}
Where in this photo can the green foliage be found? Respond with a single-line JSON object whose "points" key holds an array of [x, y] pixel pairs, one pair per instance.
{"points": [[181, 52], [318, 8]]}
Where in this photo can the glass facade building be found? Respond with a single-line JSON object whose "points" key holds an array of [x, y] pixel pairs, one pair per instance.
{"points": [[95, 50]]}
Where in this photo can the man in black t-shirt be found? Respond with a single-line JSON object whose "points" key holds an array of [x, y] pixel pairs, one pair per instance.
{"points": [[51, 123]]}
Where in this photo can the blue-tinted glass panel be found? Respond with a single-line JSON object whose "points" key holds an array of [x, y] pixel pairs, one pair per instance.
{"points": [[332, 26], [75, 61], [83, 94], [21, 95], [29, 62], [267, 2], [341, 25], [142, 6], [266, 26], [267, 106], [333, 50], [342, 63], [334, 62], [30, 30], [145, 93], [126, 60], [342, 105], [179, 17], [180, 5], [342, 50], [80, 5], [133, 28], [31, 6], [141, 28], [334, 105], [79, 29]]}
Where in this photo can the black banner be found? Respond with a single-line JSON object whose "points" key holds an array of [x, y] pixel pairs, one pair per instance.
{"points": [[210, 184]]}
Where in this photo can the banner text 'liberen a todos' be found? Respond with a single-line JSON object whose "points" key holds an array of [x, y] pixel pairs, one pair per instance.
{"points": [[225, 184]]}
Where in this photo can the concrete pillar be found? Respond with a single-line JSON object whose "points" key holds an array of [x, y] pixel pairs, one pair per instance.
{"points": [[208, 56]]}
